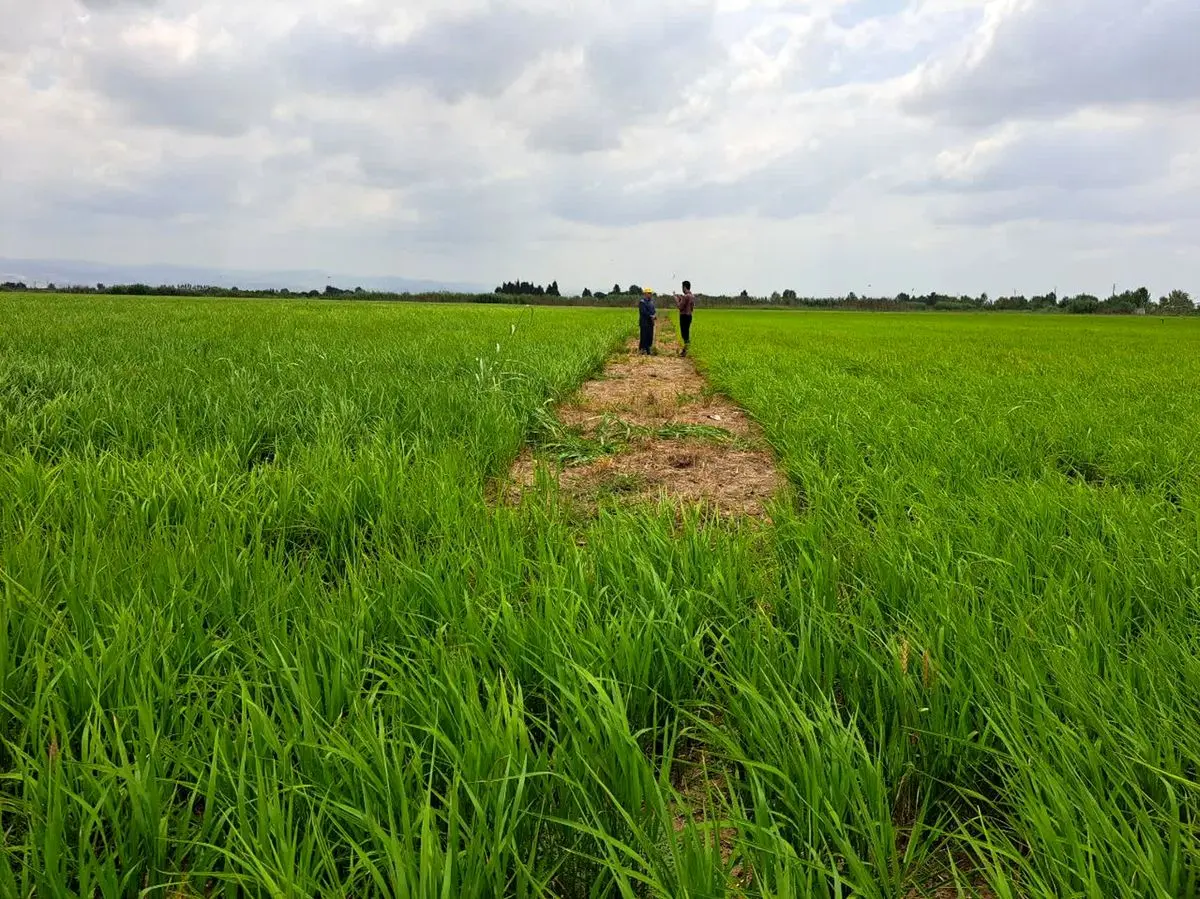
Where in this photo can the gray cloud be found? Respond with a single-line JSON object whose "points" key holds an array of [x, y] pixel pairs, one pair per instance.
{"points": [[633, 70], [1171, 210], [230, 92], [204, 96], [641, 67], [104, 5], [174, 187], [1049, 58], [617, 135], [1060, 158], [469, 213], [578, 131], [395, 157], [855, 12], [479, 53], [797, 184]]}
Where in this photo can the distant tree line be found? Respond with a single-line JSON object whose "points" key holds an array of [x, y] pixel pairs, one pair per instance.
{"points": [[188, 290], [1129, 302], [527, 289], [633, 290]]}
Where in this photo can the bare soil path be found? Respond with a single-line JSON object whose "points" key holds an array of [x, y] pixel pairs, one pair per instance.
{"points": [[651, 428]]}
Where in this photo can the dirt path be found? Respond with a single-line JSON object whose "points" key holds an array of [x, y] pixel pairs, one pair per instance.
{"points": [[651, 428]]}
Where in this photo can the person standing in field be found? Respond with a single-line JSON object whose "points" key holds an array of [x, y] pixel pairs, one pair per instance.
{"points": [[686, 304], [647, 315]]}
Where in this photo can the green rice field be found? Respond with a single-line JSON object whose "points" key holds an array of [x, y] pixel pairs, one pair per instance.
{"points": [[265, 631]]}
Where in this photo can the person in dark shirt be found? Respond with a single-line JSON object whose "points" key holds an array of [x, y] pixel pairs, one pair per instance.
{"points": [[686, 304], [647, 314]]}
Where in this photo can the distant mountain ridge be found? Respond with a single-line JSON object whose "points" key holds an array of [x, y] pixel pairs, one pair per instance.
{"points": [[64, 272]]}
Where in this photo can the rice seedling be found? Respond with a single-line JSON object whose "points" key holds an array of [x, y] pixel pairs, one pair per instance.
{"points": [[263, 634]]}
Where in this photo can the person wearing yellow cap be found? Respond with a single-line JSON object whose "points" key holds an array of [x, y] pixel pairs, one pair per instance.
{"points": [[647, 315]]}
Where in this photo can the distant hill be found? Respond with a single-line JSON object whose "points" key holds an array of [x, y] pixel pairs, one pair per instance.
{"points": [[73, 272]]}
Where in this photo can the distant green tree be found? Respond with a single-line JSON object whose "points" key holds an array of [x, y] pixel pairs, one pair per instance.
{"points": [[526, 289], [1084, 304], [789, 294], [1011, 303], [1177, 302], [616, 289], [745, 294], [586, 293], [634, 289], [1124, 303]]}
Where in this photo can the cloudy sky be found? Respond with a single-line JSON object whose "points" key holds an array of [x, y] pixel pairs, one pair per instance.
{"points": [[824, 145]]}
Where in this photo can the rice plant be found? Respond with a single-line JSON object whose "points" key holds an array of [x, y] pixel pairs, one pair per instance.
{"points": [[262, 633]]}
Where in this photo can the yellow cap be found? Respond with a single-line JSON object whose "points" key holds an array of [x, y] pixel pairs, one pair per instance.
{"points": [[647, 291]]}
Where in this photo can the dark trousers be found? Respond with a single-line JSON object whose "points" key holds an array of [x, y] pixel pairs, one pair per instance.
{"points": [[647, 336], [685, 328]]}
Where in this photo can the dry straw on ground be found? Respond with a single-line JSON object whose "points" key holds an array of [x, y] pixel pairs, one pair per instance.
{"points": [[686, 444]]}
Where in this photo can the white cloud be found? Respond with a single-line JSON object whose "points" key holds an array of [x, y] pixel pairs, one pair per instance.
{"points": [[819, 144], [1045, 58]]}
